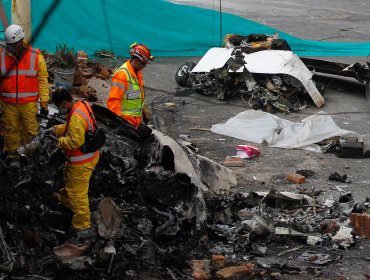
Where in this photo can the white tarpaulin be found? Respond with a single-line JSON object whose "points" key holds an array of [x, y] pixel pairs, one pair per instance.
{"points": [[258, 127]]}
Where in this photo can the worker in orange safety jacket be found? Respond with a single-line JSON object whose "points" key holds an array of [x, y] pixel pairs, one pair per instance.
{"points": [[24, 81], [79, 165], [127, 97]]}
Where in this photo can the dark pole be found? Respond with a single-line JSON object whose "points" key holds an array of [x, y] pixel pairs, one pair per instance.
{"points": [[213, 23], [3, 16], [44, 20], [220, 23]]}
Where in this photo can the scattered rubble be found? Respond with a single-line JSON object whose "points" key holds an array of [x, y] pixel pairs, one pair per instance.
{"points": [[163, 212], [84, 70], [151, 221], [340, 178]]}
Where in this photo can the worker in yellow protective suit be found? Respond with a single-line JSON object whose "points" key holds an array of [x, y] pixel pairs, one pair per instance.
{"points": [[24, 81], [79, 166], [126, 96]]}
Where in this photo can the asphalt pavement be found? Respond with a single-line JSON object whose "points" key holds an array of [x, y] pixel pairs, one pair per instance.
{"points": [[345, 101], [330, 20]]}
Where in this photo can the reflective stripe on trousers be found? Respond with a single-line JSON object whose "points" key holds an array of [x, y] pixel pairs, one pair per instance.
{"points": [[21, 124], [82, 157], [75, 192]]}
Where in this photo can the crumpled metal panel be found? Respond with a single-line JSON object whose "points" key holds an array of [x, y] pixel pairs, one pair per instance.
{"points": [[283, 62], [182, 164], [218, 178], [108, 217], [213, 59], [264, 62]]}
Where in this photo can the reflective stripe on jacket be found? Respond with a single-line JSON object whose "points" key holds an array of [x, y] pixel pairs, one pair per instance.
{"points": [[75, 156], [132, 102], [19, 82]]}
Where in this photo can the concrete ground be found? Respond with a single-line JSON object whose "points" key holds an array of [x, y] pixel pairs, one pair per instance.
{"points": [[331, 20], [345, 101]]}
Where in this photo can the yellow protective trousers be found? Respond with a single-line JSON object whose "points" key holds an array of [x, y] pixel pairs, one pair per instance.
{"points": [[74, 195], [21, 124]]}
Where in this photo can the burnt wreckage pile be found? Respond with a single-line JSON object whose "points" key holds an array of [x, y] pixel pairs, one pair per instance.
{"points": [[151, 204], [161, 232], [260, 90], [263, 71]]}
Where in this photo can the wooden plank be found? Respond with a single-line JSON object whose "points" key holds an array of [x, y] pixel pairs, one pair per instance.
{"points": [[200, 128]]}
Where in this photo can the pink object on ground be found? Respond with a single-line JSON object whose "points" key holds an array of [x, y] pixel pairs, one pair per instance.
{"points": [[246, 151], [68, 250]]}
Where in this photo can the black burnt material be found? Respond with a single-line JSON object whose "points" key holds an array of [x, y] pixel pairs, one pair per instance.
{"points": [[154, 232], [157, 240]]}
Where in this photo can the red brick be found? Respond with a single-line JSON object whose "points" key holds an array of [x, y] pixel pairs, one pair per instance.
{"points": [[200, 275], [200, 269], [352, 217], [246, 271], [361, 224], [362, 219], [233, 162], [296, 178], [218, 261], [367, 227]]}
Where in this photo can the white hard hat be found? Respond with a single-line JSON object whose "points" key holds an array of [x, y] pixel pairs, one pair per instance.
{"points": [[13, 33]]}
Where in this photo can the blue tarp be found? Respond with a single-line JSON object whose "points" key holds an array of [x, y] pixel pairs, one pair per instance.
{"points": [[168, 29]]}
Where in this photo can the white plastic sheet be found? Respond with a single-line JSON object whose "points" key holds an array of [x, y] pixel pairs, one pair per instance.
{"points": [[259, 127]]}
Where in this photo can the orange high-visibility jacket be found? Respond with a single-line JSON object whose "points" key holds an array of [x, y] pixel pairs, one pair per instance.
{"points": [[77, 113], [19, 82], [126, 97]]}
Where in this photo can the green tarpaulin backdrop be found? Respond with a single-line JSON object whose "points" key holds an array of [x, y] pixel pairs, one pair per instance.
{"points": [[168, 29]]}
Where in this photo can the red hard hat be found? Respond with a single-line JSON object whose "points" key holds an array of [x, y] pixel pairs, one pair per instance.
{"points": [[141, 52]]}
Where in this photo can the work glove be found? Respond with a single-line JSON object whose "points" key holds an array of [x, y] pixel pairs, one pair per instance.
{"points": [[44, 108], [44, 111], [50, 131], [146, 114]]}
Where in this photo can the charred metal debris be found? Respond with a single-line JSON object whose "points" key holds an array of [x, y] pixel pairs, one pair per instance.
{"points": [[259, 79], [158, 219]]}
